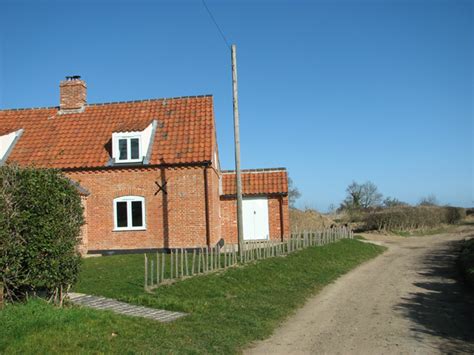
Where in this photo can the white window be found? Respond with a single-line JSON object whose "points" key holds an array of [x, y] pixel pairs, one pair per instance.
{"points": [[128, 148], [129, 213]]}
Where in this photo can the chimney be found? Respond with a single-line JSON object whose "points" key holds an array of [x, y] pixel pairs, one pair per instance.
{"points": [[72, 92]]}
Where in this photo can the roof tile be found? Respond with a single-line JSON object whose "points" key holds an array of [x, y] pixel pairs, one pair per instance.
{"points": [[256, 182], [185, 132]]}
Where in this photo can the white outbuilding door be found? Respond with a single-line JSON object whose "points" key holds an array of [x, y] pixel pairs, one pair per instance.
{"points": [[255, 218]]}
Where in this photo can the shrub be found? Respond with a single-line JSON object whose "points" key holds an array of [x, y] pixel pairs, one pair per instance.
{"points": [[454, 214], [40, 220], [466, 260], [404, 218]]}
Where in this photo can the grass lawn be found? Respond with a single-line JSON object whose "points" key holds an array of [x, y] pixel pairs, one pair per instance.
{"points": [[227, 310], [425, 232]]}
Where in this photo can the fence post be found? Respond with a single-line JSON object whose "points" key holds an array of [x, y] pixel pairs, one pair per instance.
{"points": [[177, 262], [186, 261], [157, 269], [199, 260], [1, 295], [146, 273], [171, 264], [151, 272], [163, 261]]}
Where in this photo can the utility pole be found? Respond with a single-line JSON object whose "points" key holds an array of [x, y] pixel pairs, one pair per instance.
{"points": [[238, 175]]}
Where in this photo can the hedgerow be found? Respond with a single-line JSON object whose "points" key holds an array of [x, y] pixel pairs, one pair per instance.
{"points": [[40, 220], [466, 260], [406, 218]]}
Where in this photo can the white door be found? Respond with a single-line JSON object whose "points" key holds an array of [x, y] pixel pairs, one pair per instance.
{"points": [[255, 218]]}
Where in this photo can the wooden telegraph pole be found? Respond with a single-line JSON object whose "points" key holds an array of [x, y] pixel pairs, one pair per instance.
{"points": [[238, 175]]}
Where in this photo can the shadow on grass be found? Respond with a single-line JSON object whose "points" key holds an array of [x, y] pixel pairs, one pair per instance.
{"points": [[444, 307]]}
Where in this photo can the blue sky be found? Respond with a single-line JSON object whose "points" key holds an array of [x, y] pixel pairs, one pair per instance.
{"points": [[333, 90]]}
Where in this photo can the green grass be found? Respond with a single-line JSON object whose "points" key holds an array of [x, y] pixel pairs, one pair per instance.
{"points": [[424, 232], [227, 310]]}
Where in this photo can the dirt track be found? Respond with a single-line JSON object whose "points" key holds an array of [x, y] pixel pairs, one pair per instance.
{"points": [[407, 300]]}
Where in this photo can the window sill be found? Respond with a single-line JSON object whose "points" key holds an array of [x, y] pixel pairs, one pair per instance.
{"points": [[137, 229], [128, 162]]}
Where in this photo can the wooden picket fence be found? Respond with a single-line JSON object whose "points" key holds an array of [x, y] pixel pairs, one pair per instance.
{"points": [[179, 263]]}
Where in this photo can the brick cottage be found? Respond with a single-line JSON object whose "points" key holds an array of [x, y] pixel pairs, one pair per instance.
{"points": [[148, 171]]}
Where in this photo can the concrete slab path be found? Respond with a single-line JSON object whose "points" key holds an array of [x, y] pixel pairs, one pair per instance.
{"points": [[127, 309]]}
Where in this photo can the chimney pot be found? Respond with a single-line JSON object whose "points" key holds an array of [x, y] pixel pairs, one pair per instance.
{"points": [[72, 92]]}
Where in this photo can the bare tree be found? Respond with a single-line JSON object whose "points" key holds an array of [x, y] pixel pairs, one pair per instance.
{"points": [[429, 200], [361, 196], [332, 208], [293, 193], [393, 202]]}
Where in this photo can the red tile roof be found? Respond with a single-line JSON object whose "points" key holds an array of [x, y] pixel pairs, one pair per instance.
{"points": [[256, 182], [185, 132]]}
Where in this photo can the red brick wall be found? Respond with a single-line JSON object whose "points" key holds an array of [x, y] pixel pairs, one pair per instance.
{"points": [[176, 219], [229, 218], [72, 94]]}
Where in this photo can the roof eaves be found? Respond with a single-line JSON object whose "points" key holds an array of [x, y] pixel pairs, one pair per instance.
{"points": [[112, 165], [263, 170], [263, 194]]}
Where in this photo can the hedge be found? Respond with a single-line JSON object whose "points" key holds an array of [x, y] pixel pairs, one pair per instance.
{"points": [[466, 261], [405, 218], [40, 220]]}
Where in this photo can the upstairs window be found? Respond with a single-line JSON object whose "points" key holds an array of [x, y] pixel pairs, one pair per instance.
{"points": [[129, 213], [129, 149]]}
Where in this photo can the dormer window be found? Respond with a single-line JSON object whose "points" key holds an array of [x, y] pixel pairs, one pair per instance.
{"points": [[129, 149], [132, 147]]}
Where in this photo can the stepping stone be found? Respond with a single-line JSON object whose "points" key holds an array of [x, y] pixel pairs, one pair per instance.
{"points": [[127, 309]]}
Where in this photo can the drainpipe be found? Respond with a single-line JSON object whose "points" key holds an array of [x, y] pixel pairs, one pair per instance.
{"points": [[206, 197]]}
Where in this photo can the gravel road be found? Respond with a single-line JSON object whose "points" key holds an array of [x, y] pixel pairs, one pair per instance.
{"points": [[406, 301]]}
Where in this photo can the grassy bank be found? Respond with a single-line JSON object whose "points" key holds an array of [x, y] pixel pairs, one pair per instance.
{"points": [[466, 261], [425, 232], [227, 310]]}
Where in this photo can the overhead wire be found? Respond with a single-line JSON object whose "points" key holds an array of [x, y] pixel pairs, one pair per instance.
{"points": [[216, 24]]}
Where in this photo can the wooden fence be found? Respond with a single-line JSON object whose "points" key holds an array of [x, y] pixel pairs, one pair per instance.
{"points": [[165, 268]]}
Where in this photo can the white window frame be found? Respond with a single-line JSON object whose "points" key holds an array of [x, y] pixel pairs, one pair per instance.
{"points": [[128, 137], [129, 200]]}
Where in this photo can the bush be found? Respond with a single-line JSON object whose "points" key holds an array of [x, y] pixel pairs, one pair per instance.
{"points": [[40, 220], [405, 218], [454, 214], [466, 261]]}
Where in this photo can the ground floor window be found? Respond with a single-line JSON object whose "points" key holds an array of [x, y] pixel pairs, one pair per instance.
{"points": [[129, 213]]}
